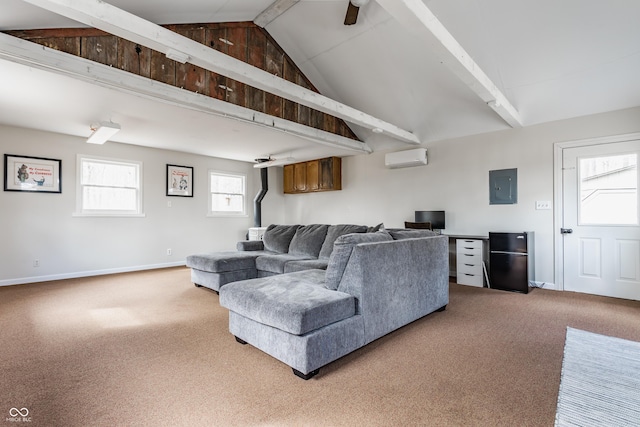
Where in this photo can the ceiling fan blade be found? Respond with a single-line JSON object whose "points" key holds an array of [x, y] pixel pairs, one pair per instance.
{"points": [[352, 14]]}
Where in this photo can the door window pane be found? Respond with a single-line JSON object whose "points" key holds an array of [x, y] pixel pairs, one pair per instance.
{"points": [[609, 190]]}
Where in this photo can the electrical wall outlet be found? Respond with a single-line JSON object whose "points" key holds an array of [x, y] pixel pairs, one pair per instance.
{"points": [[169, 251], [545, 204], [36, 263]]}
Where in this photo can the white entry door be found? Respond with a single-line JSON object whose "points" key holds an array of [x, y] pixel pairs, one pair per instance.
{"points": [[601, 229]]}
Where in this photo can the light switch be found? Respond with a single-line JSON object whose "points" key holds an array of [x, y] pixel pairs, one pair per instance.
{"points": [[543, 204]]}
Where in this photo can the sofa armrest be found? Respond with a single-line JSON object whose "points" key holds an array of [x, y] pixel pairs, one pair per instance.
{"points": [[397, 282], [250, 245]]}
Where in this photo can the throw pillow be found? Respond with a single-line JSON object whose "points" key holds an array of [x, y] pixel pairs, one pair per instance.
{"points": [[375, 228]]}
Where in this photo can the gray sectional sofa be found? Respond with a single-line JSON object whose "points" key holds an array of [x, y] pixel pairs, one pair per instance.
{"points": [[372, 284], [284, 249]]}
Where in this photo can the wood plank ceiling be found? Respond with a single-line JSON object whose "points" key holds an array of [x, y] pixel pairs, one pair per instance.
{"points": [[244, 41]]}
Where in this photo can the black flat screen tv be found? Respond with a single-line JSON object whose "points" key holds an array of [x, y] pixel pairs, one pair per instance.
{"points": [[436, 218]]}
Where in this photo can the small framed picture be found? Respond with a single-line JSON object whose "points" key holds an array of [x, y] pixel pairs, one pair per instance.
{"points": [[34, 174], [179, 181]]}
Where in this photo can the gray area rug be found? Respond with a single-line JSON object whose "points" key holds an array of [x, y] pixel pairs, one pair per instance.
{"points": [[600, 381]]}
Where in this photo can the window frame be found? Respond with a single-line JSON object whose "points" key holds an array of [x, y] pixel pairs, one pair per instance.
{"points": [[210, 211], [80, 212]]}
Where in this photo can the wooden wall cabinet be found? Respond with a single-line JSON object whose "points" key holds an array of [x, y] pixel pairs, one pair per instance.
{"points": [[313, 176]]}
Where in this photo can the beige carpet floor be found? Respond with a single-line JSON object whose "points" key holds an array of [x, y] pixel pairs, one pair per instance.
{"points": [[150, 349]]}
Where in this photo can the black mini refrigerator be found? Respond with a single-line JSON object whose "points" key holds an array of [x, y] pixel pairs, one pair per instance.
{"points": [[511, 266]]}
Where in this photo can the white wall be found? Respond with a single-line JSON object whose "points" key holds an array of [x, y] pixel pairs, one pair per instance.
{"points": [[457, 180], [41, 226]]}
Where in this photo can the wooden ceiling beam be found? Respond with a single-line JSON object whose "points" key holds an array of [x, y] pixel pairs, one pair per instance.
{"points": [[40, 57], [416, 17], [106, 17], [276, 9]]}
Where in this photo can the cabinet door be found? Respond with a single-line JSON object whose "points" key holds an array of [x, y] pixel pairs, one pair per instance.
{"points": [[326, 173], [288, 179], [313, 175], [331, 173], [300, 177]]}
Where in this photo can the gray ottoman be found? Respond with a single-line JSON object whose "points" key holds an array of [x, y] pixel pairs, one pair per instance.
{"points": [[217, 269]]}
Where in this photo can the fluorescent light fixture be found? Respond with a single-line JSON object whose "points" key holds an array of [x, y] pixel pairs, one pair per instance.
{"points": [[103, 132], [177, 56], [275, 162]]}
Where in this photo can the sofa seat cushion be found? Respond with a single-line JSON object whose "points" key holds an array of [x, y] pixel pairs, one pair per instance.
{"points": [[296, 303], [306, 264], [275, 263], [220, 262], [308, 240]]}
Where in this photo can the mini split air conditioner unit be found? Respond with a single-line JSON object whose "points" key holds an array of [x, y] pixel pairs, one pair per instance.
{"points": [[405, 159]]}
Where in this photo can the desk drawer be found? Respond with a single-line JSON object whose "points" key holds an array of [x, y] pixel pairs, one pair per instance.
{"points": [[475, 243], [463, 267], [468, 244], [464, 258], [470, 279], [466, 250]]}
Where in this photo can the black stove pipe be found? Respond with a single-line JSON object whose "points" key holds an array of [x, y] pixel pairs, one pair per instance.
{"points": [[257, 202]]}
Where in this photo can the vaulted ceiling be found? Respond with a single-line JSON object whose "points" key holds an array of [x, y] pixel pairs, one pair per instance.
{"points": [[550, 60]]}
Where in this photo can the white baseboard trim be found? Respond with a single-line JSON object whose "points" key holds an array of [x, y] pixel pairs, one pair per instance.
{"points": [[543, 285], [75, 275]]}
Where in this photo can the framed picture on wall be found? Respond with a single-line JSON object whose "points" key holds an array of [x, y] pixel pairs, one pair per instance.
{"points": [[34, 174], [179, 181]]}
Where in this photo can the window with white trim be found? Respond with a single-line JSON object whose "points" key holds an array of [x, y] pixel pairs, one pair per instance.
{"points": [[108, 187], [227, 194]]}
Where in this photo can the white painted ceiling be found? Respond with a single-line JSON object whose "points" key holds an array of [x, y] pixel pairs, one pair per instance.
{"points": [[552, 59]]}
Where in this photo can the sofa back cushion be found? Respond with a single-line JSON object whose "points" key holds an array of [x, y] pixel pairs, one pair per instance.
{"points": [[336, 231], [342, 249], [277, 238], [308, 240], [401, 234]]}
